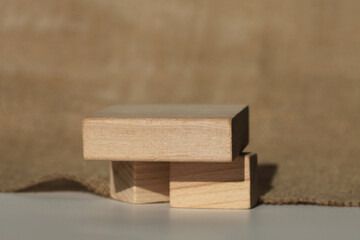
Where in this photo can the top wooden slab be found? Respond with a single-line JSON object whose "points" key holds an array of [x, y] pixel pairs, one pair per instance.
{"points": [[169, 111], [173, 133]]}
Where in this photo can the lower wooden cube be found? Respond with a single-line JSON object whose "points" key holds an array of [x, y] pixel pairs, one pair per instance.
{"points": [[215, 185], [139, 182]]}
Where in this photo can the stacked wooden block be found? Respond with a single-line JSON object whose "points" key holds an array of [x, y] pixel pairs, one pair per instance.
{"points": [[190, 155]]}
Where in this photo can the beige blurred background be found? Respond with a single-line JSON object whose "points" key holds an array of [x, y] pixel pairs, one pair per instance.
{"points": [[296, 63]]}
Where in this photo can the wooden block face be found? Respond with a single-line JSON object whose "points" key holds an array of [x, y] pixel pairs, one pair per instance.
{"points": [[214, 185], [175, 133], [139, 182]]}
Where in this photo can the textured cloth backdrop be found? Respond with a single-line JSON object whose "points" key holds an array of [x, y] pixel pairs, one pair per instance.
{"points": [[296, 63]]}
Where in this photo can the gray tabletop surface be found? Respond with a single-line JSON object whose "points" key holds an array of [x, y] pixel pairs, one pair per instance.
{"points": [[82, 215]]}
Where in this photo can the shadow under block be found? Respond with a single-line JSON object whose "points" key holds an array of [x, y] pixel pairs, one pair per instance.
{"points": [[215, 185], [169, 133], [139, 182]]}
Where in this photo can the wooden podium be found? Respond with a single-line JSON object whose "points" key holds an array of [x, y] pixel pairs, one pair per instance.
{"points": [[192, 153]]}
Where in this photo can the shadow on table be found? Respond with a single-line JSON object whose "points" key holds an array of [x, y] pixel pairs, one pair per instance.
{"points": [[56, 185], [266, 173]]}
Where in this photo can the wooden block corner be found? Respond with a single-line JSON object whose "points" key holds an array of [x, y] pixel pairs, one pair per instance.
{"points": [[139, 182]]}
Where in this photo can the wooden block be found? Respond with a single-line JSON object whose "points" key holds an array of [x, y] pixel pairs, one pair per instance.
{"points": [[214, 185], [193, 133], [139, 182]]}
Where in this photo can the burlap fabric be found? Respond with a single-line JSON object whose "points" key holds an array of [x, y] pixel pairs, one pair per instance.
{"points": [[296, 63]]}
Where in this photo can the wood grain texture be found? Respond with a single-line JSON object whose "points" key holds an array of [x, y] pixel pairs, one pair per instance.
{"points": [[178, 133], [139, 182], [215, 185]]}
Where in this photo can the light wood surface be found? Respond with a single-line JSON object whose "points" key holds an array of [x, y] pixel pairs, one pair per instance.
{"points": [[215, 185], [176, 133], [139, 182]]}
